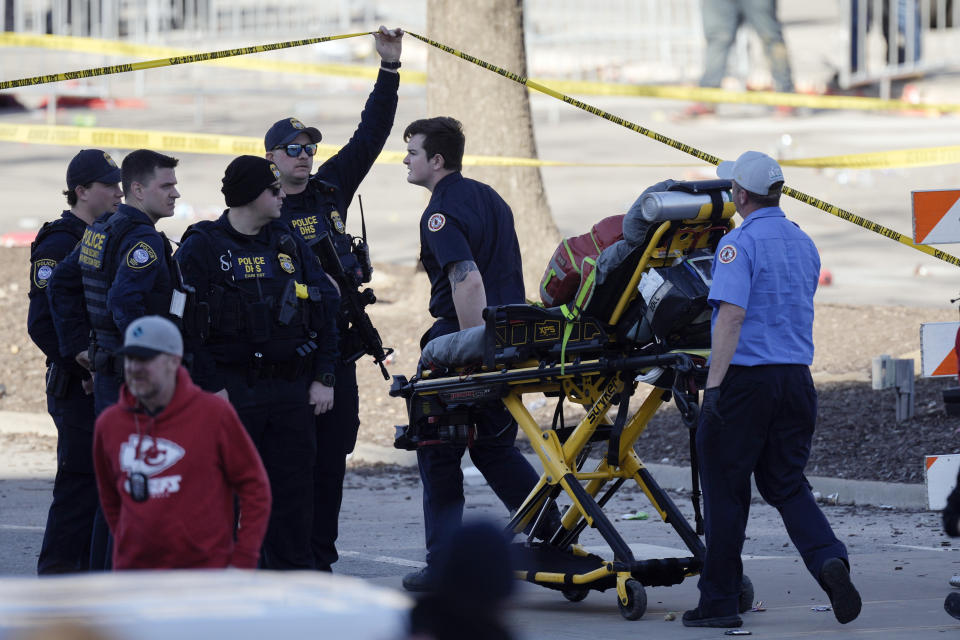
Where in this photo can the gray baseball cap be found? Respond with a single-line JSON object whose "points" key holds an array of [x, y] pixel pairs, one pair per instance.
{"points": [[149, 336], [754, 171]]}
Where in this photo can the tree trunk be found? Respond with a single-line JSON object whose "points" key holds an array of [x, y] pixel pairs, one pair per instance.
{"points": [[495, 112]]}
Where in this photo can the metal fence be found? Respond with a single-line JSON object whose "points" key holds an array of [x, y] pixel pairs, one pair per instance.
{"points": [[892, 39]]}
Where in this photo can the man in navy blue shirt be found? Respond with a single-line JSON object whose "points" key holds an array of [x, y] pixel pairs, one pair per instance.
{"points": [[93, 188], [760, 405], [469, 248], [316, 205], [271, 343]]}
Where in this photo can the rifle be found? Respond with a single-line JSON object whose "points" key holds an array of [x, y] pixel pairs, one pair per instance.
{"points": [[361, 336]]}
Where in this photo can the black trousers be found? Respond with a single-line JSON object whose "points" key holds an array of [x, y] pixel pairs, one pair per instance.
{"points": [[336, 437], [66, 539], [765, 426], [280, 422]]}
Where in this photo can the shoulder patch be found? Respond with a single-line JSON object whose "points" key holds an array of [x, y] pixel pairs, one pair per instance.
{"points": [[727, 254], [42, 270], [436, 222], [140, 256]]}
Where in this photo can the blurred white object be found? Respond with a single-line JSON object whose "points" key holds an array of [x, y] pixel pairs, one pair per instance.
{"points": [[147, 605]]}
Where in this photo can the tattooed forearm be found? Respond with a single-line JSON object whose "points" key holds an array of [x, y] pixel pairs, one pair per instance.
{"points": [[458, 272]]}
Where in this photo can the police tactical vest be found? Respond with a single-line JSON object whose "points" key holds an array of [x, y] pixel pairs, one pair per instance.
{"points": [[316, 212], [252, 295], [42, 268], [99, 261]]}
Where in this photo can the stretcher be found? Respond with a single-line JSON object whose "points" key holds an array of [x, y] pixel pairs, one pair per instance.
{"points": [[628, 337]]}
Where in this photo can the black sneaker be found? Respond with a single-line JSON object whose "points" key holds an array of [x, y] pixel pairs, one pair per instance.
{"points": [[844, 598], [421, 581], [952, 604], [694, 618]]}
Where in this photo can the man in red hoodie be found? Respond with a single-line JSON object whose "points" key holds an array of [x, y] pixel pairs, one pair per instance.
{"points": [[169, 459]]}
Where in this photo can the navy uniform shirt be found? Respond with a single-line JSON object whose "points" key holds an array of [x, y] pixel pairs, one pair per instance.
{"points": [[231, 270], [769, 267], [468, 220], [141, 284], [322, 206], [57, 243]]}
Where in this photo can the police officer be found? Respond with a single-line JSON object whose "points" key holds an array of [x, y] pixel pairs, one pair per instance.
{"points": [[271, 344], [316, 205], [93, 188], [126, 272], [469, 249], [760, 405]]}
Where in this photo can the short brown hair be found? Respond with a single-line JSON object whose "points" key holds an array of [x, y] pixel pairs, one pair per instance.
{"points": [[442, 135]]}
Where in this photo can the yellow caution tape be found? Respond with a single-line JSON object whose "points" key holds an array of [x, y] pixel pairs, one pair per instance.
{"points": [[219, 144], [700, 94], [119, 48], [924, 157], [770, 98], [697, 153], [169, 61]]}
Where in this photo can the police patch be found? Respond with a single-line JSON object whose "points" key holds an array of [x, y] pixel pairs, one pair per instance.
{"points": [[42, 270], [337, 221], [110, 161], [285, 262], [140, 256], [436, 222], [296, 124], [727, 254], [275, 171]]}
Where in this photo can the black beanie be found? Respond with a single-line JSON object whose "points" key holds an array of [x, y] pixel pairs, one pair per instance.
{"points": [[245, 179]]}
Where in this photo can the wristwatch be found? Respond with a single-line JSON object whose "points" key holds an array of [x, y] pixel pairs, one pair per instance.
{"points": [[390, 65], [327, 379]]}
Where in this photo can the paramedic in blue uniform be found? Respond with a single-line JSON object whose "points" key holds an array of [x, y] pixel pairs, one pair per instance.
{"points": [[121, 270], [315, 205], [760, 406], [271, 343], [469, 249], [93, 188]]}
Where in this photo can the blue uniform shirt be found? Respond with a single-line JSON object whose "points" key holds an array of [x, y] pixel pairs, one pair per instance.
{"points": [[468, 220], [769, 267]]}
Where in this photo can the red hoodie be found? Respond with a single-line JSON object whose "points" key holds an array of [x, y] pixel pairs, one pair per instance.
{"points": [[196, 456]]}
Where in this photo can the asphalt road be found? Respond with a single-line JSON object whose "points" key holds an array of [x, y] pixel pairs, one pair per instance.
{"points": [[901, 559]]}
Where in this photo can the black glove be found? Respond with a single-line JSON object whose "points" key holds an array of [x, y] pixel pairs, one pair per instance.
{"points": [[708, 408]]}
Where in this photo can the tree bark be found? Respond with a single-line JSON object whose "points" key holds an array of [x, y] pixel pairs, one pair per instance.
{"points": [[495, 112]]}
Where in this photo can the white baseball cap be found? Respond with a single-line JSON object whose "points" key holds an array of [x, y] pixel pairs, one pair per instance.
{"points": [[754, 171], [149, 336]]}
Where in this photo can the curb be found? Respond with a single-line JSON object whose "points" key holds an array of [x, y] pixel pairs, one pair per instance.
{"points": [[897, 495]]}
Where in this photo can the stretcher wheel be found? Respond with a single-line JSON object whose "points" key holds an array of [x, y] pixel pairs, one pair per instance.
{"points": [[746, 594], [636, 601], [575, 595]]}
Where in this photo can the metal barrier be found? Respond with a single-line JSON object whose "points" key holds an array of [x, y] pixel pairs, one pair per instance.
{"points": [[895, 39]]}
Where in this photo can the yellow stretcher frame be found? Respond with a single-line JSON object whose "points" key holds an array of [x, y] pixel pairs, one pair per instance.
{"points": [[596, 384]]}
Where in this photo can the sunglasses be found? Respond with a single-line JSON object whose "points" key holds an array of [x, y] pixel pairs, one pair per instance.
{"points": [[293, 150], [274, 189]]}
